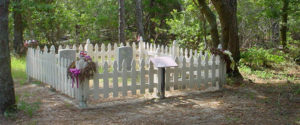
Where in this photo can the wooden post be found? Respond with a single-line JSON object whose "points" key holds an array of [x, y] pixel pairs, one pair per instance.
{"points": [[29, 65], [141, 48], [83, 94], [163, 83], [82, 89], [174, 49]]}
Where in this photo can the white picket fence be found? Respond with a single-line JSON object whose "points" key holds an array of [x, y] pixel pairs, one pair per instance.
{"points": [[195, 71]]}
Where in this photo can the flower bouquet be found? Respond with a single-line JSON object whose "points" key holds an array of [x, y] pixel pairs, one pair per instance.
{"points": [[81, 69]]}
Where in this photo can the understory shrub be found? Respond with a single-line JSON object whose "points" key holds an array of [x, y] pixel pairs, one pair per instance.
{"points": [[258, 57]]}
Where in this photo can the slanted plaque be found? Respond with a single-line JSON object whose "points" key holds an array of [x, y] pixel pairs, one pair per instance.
{"points": [[163, 62]]}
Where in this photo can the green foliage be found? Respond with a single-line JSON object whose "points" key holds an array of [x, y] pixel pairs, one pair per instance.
{"points": [[265, 73], [156, 13], [259, 57], [257, 18], [261, 74], [187, 26], [295, 89], [76, 20], [293, 48], [28, 108], [18, 69]]}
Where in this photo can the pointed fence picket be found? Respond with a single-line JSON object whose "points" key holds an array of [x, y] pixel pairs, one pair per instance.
{"points": [[195, 71]]}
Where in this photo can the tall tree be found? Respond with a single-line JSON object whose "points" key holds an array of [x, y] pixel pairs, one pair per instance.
{"points": [[227, 10], [7, 93], [151, 23], [18, 27], [139, 18], [121, 21], [284, 22], [211, 18]]}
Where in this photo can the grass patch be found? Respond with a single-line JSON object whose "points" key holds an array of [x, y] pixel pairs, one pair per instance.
{"points": [[18, 68], [36, 82], [265, 73], [28, 108]]}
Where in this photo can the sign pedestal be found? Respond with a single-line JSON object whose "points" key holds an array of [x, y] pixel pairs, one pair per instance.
{"points": [[162, 63], [163, 82]]}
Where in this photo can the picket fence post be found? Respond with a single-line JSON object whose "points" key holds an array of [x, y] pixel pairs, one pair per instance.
{"points": [[29, 58], [84, 85]]}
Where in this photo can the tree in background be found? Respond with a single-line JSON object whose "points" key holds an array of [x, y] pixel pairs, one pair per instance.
{"points": [[211, 19], [156, 13], [188, 27], [227, 11], [284, 22], [18, 27], [7, 93], [139, 18], [122, 21]]}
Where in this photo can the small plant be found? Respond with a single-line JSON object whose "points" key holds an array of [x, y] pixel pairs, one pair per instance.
{"points": [[37, 82], [28, 108], [11, 113], [258, 57], [295, 89]]}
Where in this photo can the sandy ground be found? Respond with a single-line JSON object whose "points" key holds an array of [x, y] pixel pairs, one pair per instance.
{"points": [[249, 104], [256, 102]]}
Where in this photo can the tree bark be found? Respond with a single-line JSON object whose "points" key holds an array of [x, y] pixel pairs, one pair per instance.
{"points": [[202, 18], [227, 10], [151, 25], [121, 21], [7, 94], [18, 28], [211, 18], [284, 27], [139, 18], [275, 31]]}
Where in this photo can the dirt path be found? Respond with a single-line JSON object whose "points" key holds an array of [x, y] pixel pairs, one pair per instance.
{"points": [[250, 104], [255, 102]]}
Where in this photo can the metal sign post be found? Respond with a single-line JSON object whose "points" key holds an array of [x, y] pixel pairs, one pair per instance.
{"points": [[163, 82], [162, 63]]}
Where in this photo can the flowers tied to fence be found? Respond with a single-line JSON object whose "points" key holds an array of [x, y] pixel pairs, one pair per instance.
{"points": [[83, 72], [31, 43], [224, 55]]}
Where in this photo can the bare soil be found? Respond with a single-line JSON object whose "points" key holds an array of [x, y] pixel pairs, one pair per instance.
{"points": [[253, 103]]}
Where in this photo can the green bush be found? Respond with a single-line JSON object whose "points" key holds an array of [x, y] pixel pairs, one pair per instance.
{"points": [[259, 57], [293, 48]]}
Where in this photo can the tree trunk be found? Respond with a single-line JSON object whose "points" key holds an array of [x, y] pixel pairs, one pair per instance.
{"points": [[227, 10], [151, 23], [7, 93], [18, 28], [211, 18], [284, 22], [139, 18], [121, 21], [202, 18], [275, 31]]}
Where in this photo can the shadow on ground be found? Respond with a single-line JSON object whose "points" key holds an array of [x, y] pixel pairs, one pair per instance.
{"points": [[247, 104]]}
